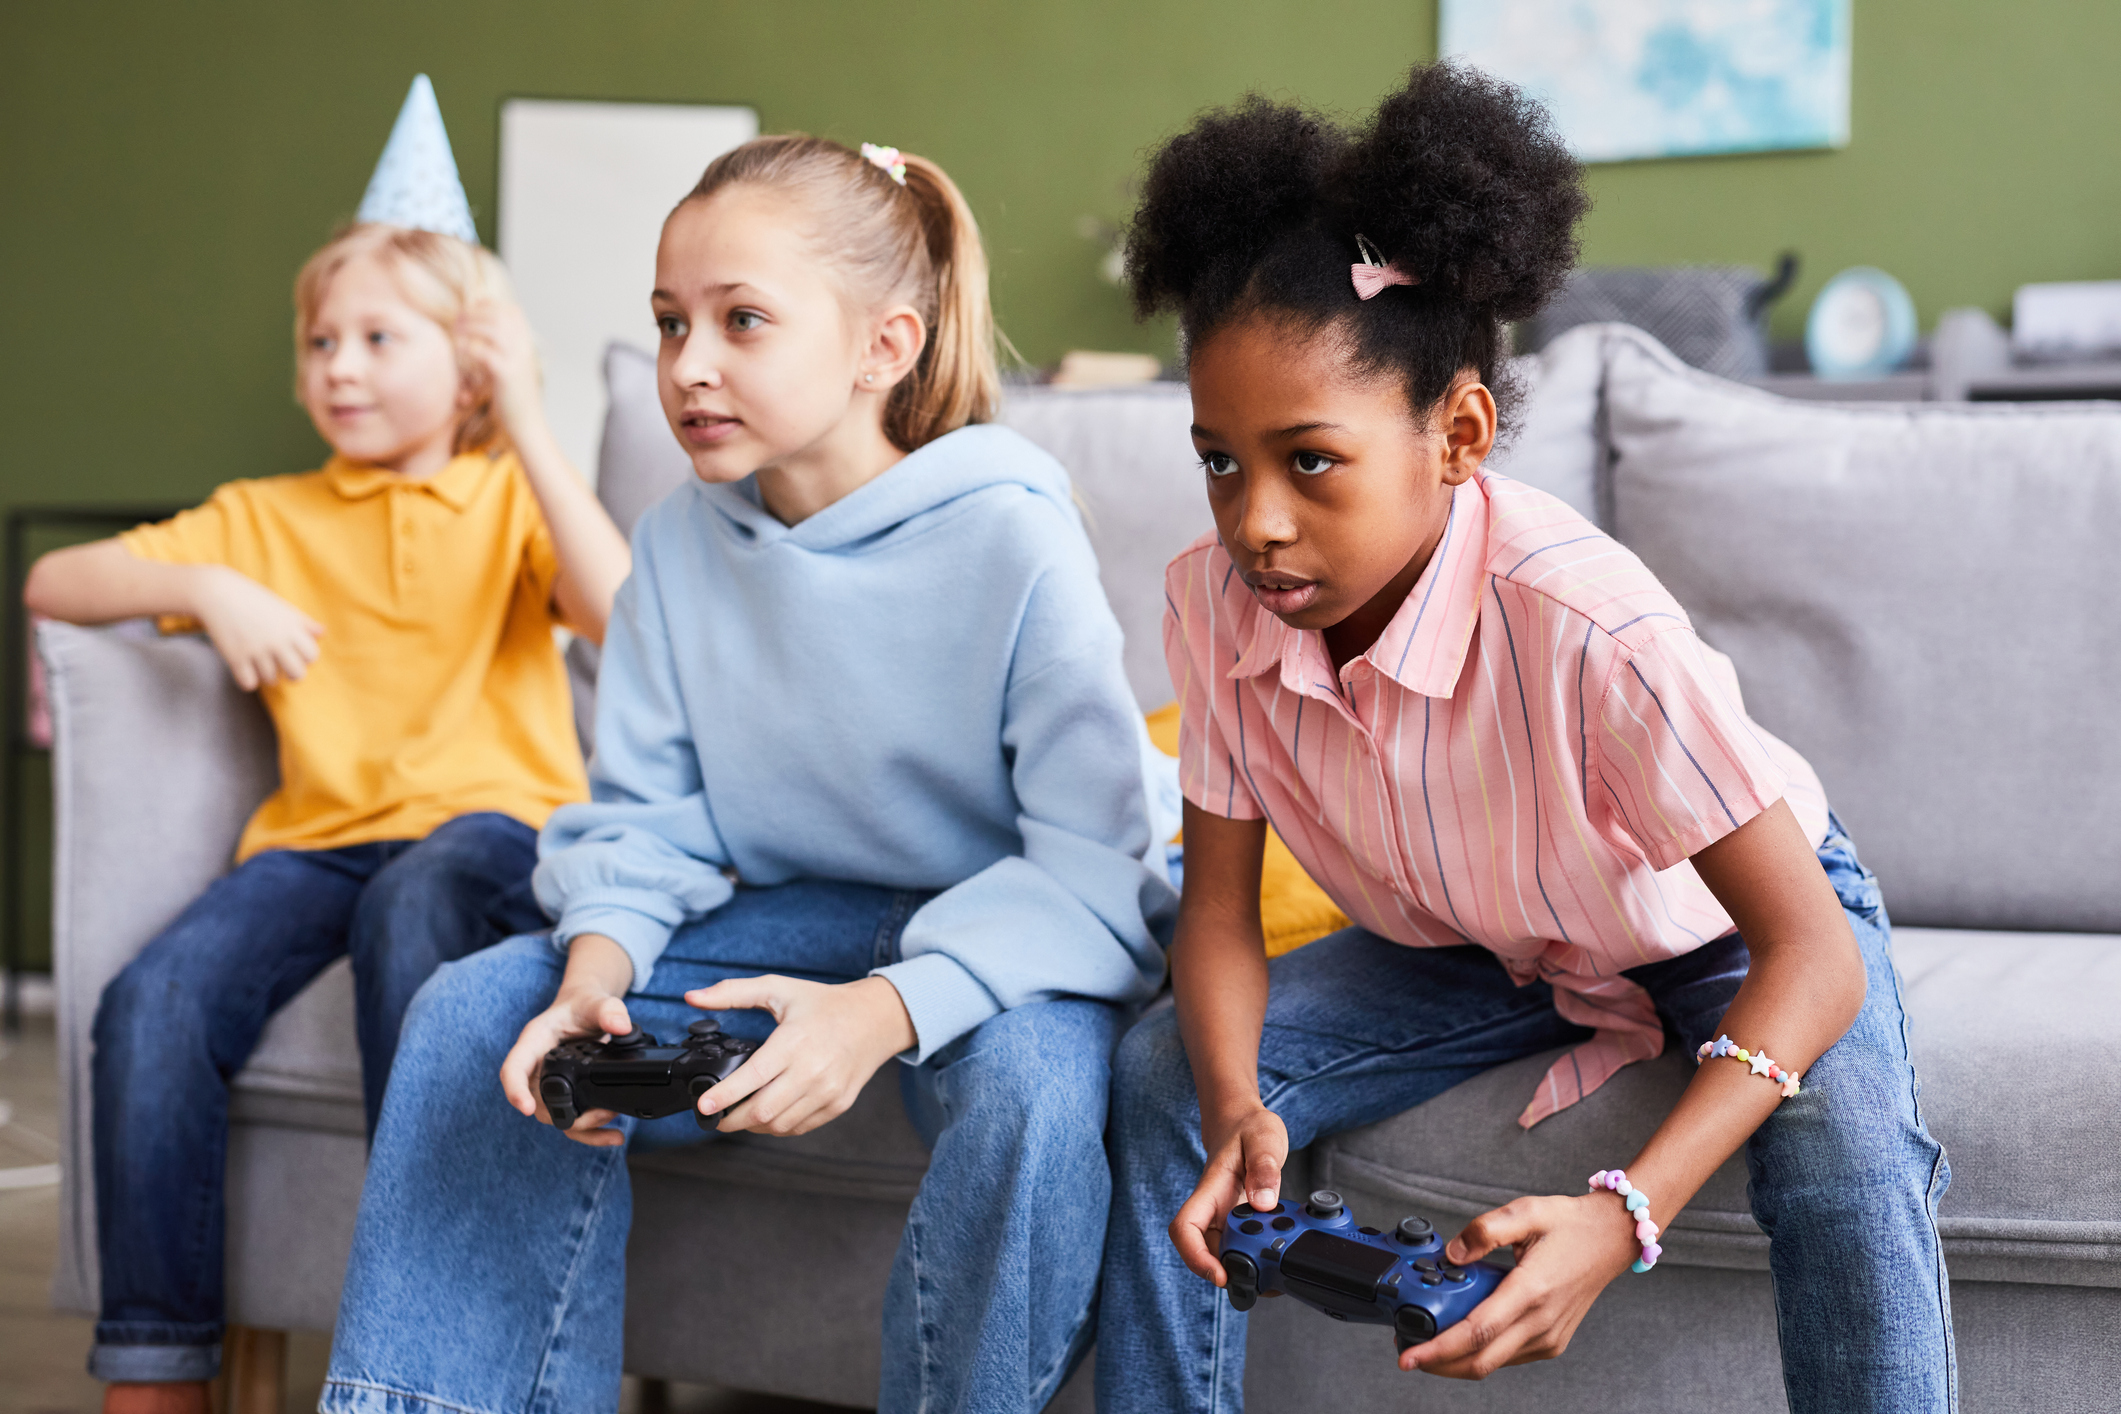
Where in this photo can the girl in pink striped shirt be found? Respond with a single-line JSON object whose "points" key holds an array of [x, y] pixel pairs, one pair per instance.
{"points": [[1494, 739]]}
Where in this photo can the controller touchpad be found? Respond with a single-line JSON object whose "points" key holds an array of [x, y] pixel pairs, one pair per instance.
{"points": [[1329, 1263]]}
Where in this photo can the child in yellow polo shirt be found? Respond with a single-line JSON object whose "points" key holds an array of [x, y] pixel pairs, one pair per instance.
{"points": [[394, 612]]}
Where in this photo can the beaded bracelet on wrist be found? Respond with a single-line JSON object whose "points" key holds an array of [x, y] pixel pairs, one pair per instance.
{"points": [[1757, 1060], [1639, 1209]]}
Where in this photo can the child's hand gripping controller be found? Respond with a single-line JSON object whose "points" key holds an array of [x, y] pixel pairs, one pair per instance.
{"points": [[634, 1075], [1319, 1256]]}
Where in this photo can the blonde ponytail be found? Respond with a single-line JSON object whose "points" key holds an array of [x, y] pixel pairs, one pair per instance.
{"points": [[917, 243], [956, 381]]}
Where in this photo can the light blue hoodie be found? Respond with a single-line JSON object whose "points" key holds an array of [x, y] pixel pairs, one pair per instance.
{"points": [[918, 687]]}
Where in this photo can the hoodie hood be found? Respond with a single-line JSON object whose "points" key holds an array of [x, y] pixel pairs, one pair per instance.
{"points": [[954, 466]]}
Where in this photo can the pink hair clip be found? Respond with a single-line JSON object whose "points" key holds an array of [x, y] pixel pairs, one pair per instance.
{"points": [[886, 160], [1373, 273]]}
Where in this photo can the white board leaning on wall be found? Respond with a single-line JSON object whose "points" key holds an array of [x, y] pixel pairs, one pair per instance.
{"points": [[584, 190]]}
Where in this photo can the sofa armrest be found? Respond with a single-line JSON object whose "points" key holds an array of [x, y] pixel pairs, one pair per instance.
{"points": [[158, 759]]}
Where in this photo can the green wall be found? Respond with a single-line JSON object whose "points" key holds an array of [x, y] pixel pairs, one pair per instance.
{"points": [[165, 168]]}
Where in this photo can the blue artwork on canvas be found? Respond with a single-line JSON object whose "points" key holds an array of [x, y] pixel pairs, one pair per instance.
{"points": [[1667, 78]]}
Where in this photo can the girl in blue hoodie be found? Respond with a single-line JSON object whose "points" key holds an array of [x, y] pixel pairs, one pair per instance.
{"points": [[867, 777]]}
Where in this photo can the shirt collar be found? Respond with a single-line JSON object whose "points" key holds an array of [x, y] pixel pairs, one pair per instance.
{"points": [[455, 485], [1424, 647]]}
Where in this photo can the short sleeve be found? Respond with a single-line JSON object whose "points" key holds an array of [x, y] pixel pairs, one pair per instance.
{"points": [[203, 535], [1679, 765], [541, 558], [1199, 649]]}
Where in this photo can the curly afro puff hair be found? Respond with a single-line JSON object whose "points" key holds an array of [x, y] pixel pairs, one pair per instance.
{"points": [[1459, 180]]}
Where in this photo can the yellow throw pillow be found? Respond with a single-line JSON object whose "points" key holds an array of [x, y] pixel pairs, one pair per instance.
{"points": [[1292, 909]]}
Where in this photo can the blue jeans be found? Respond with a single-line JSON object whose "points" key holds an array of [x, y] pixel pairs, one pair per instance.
{"points": [[1845, 1178], [176, 1025], [489, 1262]]}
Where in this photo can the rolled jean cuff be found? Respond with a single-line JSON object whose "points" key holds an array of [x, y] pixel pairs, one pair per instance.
{"points": [[154, 1364]]}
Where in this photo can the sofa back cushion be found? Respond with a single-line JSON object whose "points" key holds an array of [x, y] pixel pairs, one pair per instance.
{"points": [[1919, 598]]}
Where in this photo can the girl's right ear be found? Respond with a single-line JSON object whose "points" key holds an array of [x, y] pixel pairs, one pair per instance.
{"points": [[1469, 427], [894, 349]]}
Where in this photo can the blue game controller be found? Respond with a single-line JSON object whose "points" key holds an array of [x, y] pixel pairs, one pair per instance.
{"points": [[1318, 1255]]}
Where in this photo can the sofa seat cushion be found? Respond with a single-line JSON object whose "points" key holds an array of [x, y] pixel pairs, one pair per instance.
{"points": [[2019, 1057]]}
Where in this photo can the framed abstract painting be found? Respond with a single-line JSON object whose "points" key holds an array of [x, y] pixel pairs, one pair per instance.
{"points": [[1629, 79]]}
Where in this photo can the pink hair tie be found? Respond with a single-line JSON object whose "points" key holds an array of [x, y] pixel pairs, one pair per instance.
{"points": [[886, 160], [1373, 272]]}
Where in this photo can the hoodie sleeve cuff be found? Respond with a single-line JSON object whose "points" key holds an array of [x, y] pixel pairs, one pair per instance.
{"points": [[943, 999], [642, 935]]}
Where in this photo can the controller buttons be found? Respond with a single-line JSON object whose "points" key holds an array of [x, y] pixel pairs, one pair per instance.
{"points": [[1324, 1204], [1369, 1232], [1393, 1280], [1275, 1209], [1243, 1210], [1279, 1243], [1251, 1226], [1284, 1223], [1415, 1231]]}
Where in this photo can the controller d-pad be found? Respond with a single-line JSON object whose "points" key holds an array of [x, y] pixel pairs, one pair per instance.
{"points": [[1425, 1264], [1457, 1275], [1432, 1278]]}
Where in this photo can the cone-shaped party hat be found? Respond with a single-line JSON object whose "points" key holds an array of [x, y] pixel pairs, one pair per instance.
{"points": [[416, 182]]}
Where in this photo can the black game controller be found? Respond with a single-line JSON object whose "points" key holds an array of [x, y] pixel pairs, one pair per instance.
{"points": [[635, 1075]]}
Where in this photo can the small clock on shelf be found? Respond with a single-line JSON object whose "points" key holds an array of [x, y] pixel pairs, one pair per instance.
{"points": [[1862, 325]]}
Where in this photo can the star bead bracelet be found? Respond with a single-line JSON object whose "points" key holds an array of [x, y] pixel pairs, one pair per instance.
{"points": [[1757, 1061], [1638, 1208]]}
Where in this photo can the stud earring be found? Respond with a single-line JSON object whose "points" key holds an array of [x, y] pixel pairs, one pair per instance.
{"points": [[868, 377]]}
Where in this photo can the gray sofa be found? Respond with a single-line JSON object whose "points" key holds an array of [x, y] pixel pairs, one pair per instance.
{"points": [[1915, 596]]}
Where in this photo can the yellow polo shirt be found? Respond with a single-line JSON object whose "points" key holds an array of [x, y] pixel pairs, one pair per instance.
{"points": [[437, 690]]}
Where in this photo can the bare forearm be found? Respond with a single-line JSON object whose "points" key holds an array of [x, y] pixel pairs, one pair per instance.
{"points": [[1219, 981], [596, 964], [1219, 962], [103, 581], [594, 558], [1803, 990]]}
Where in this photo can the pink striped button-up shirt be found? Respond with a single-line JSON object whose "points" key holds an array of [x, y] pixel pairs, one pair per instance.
{"points": [[1524, 759]]}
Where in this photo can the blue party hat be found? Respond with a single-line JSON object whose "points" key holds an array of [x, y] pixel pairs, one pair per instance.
{"points": [[416, 182]]}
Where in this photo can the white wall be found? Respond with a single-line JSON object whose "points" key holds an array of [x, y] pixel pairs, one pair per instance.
{"points": [[584, 190]]}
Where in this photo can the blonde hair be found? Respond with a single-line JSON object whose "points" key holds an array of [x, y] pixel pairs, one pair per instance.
{"points": [[917, 244], [440, 276]]}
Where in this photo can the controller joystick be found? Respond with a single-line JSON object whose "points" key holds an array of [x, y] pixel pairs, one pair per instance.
{"points": [[1361, 1275], [1324, 1204], [636, 1075]]}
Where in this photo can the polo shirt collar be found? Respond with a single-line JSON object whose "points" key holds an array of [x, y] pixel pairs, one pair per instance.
{"points": [[456, 485], [1424, 646]]}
